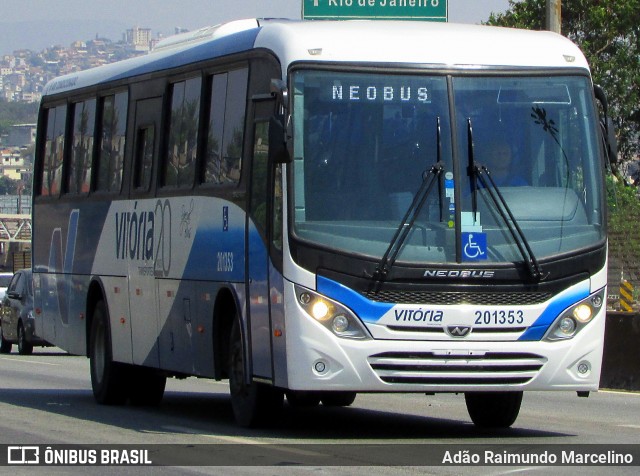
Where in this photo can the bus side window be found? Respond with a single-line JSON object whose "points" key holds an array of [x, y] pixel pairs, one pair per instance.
{"points": [[223, 160], [79, 175], [259, 177], [144, 157], [112, 142], [180, 167], [54, 151]]}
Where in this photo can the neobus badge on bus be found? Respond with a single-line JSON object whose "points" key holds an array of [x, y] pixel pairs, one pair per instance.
{"points": [[379, 93], [389, 92]]}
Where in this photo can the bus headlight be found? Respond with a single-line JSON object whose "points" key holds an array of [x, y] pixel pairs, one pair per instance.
{"points": [[583, 312], [340, 324], [320, 310], [575, 318], [567, 326], [332, 315]]}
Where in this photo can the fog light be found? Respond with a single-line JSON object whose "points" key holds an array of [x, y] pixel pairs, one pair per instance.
{"points": [[320, 366], [567, 326], [597, 301], [320, 310], [584, 367], [340, 323], [583, 313]]}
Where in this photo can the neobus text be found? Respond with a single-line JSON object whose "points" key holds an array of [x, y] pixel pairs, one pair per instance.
{"points": [[380, 93]]}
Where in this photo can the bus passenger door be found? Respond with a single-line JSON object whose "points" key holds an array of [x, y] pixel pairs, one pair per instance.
{"points": [[142, 287], [258, 230]]}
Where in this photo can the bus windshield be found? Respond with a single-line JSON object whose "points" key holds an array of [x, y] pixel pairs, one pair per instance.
{"points": [[365, 142]]}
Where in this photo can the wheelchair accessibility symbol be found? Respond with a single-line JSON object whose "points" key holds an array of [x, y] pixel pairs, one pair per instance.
{"points": [[474, 246]]}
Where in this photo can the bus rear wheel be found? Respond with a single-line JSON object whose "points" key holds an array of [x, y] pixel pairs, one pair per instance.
{"points": [[108, 378], [493, 409], [253, 403]]}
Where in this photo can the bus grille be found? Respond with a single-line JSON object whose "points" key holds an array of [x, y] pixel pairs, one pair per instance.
{"points": [[453, 298], [434, 368]]}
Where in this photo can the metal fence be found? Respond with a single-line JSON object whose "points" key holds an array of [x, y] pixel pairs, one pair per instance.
{"points": [[15, 204]]}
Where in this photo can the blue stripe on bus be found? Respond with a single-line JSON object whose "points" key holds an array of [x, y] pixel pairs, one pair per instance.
{"points": [[228, 45], [553, 311], [368, 311], [72, 233]]}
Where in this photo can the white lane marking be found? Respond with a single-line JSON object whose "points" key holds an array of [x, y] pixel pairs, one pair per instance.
{"points": [[37, 362], [230, 439], [620, 392], [238, 440]]}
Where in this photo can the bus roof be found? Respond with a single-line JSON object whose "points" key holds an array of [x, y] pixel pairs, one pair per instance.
{"points": [[356, 41]]}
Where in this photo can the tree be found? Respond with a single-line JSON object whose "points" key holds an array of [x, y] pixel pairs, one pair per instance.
{"points": [[608, 32], [8, 186], [15, 113]]}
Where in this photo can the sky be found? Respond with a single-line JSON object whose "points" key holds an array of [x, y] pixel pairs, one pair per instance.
{"points": [[37, 24]]}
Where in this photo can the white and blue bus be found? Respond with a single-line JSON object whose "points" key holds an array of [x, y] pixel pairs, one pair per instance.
{"points": [[318, 209]]}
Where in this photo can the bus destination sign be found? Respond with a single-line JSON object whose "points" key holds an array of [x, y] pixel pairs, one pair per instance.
{"points": [[429, 10]]}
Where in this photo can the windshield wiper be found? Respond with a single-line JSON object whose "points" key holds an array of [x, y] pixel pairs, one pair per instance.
{"points": [[478, 172], [429, 179]]}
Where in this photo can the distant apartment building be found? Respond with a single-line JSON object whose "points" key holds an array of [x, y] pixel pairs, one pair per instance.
{"points": [[12, 164], [21, 135], [31, 97], [138, 38]]}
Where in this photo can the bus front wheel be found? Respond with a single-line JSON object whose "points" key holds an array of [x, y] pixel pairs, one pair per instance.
{"points": [[302, 399], [253, 403], [338, 399], [493, 409], [108, 378]]}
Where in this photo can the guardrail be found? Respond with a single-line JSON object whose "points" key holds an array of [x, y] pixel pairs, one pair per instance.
{"points": [[621, 360], [15, 228]]}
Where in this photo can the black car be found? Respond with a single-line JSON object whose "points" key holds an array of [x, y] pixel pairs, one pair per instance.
{"points": [[17, 325]]}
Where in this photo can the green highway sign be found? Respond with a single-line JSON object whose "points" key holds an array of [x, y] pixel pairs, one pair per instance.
{"points": [[431, 10]]}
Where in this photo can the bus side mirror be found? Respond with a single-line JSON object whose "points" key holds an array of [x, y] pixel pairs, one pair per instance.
{"points": [[608, 129], [278, 150], [611, 140]]}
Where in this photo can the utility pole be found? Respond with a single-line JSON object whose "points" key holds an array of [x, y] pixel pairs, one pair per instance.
{"points": [[554, 16]]}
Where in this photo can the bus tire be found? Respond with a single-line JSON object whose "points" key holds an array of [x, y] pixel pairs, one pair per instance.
{"points": [[302, 399], [5, 346], [493, 409], [253, 404], [108, 378], [24, 346], [338, 399], [147, 386]]}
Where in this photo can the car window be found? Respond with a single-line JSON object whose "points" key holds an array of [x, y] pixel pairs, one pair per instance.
{"points": [[17, 283], [5, 279], [29, 286], [14, 282]]}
